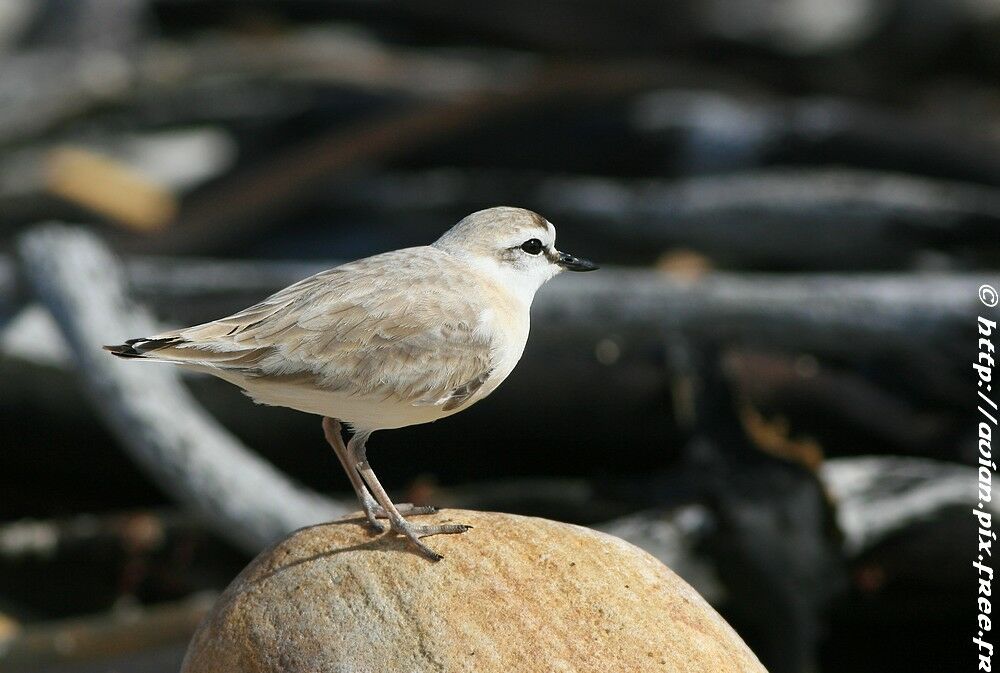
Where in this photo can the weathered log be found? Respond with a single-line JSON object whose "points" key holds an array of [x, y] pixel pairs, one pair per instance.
{"points": [[847, 407], [229, 211], [892, 512], [714, 130], [100, 638], [878, 497], [50, 84], [142, 530], [185, 451], [795, 219]]}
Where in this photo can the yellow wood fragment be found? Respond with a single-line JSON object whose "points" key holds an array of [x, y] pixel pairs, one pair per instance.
{"points": [[110, 188]]}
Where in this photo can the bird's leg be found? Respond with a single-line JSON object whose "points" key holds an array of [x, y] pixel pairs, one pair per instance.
{"points": [[331, 429], [413, 532], [373, 511]]}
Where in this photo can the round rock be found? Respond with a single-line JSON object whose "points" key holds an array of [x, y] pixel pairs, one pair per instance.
{"points": [[512, 594]]}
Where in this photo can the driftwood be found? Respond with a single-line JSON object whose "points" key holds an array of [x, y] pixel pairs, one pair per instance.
{"points": [[233, 209], [51, 84], [797, 218], [877, 497], [877, 501], [721, 131], [186, 452], [848, 407], [141, 530], [102, 638]]}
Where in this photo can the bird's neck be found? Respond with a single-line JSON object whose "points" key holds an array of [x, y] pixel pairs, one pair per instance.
{"points": [[519, 287], [516, 285]]}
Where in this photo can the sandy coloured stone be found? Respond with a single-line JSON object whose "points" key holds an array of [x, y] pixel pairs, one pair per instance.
{"points": [[512, 594]]}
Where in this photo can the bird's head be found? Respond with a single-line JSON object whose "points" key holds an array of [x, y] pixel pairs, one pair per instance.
{"points": [[514, 245]]}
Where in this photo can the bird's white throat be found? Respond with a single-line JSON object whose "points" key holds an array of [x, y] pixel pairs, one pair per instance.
{"points": [[521, 282]]}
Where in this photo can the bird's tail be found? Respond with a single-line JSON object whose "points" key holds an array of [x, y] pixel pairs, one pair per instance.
{"points": [[140, 348]]}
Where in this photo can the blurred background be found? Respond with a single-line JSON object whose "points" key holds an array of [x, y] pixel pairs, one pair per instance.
{"points": [[767, 385]]}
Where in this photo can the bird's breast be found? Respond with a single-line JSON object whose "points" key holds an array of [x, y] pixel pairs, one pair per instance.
{"points": [[510, 325]]}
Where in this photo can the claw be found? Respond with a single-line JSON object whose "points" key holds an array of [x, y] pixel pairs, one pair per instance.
{"points": [[442, 529], [413, 532], [373, 511], [408, 508]]}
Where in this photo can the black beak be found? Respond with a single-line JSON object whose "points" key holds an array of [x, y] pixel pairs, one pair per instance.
{"points": [[571, 263]]}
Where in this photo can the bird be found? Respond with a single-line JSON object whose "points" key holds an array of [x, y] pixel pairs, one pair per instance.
{"points": [[400, 338]]}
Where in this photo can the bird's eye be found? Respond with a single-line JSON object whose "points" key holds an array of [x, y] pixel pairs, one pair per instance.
{"points": [[532, 246]]}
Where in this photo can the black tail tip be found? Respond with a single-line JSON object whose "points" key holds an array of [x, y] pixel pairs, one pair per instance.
{"points": [[123, 351], [137, 348]]}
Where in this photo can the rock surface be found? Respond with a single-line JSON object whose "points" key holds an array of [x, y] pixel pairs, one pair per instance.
{"points": [[512, 594]]}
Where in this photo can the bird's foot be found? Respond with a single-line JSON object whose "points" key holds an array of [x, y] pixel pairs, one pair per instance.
{"points": [[374, 512], [413, 532], [409, 509]]}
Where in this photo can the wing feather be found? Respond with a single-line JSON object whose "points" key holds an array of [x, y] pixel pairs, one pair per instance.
{"points": [[402, 326]]}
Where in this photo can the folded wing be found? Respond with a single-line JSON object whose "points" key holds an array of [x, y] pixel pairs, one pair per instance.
{"points": [[402, 325]]}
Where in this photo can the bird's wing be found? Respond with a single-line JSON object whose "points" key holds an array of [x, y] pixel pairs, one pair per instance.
{"points": [[402, 325]]}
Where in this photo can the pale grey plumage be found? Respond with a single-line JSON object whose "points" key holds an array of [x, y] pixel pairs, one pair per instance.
{"points": [[400, 326]]}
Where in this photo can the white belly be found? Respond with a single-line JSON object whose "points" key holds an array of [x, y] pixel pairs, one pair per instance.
{"points": [[359, 412], [365, 412]]}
